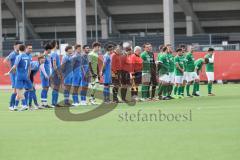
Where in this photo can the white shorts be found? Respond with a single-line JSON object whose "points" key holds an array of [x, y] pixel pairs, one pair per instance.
{"points": [[191, 76], [164, 78], [178, 79], [146, 77], [185, 76], [172, 77], [210, 76]]}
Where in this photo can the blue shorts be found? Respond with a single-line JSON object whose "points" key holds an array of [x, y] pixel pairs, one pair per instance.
{"points": [[85, 80], [55, 80], [23, 84], [13, 79], [107, 79], [68, 80], [76, 81], [84, 83], [45, 82]]}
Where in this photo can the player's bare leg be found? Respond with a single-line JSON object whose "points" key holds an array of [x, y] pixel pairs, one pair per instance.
{"points": [[44, 97], [84, 96], [210, 84], [20, 97], [196, 88], [188, 88]]}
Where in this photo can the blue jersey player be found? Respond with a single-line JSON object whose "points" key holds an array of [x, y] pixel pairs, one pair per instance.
{"points": [[29, 49], [22, 67], [11, 59], [35, 66], [55, 74], [76, 62], [67, 72], [45, 74], [107, 73], [85, 74]]}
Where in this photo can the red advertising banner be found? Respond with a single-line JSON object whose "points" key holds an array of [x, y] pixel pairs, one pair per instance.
{"points": [[227, 67]]}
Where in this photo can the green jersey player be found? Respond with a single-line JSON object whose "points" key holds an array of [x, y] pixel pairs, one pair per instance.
{"points": [[198, 68], [93, 66], [171, 70], [190, 68], [210, 70], [179, 70], [146, 72], [163, 71], [184, 50]]}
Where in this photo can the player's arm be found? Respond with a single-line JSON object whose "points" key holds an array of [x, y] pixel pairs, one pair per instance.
{"points": [[104, 66], [63, 63], [159, 65], [54, 63], [196, 69], [55, 68], [91, 68], [42, 69], [131, 69], [7, 60], [13, 69], [29, 70], [178, 66], [211, 60], [103, 69]]}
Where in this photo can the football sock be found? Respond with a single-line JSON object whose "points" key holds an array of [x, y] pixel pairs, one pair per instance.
{"points": [[30, 98], [170, 90], [153, 91], [175, 90], [75, 98], [209, 88], [188, 89], [123, 93], [164, 91], [198, 87], [44, 96], [106, 93], [26, 95], [34, 97], [159, 89], [179, 90], [54, 97], [16, 103], [83, 95], [66, 96], [183, 89], [12, 100], [115, 93], [144, 91], [24, 102]]}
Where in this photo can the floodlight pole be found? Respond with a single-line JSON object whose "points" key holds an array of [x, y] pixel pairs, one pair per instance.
{"points": [[96, 20], [23, 21]]}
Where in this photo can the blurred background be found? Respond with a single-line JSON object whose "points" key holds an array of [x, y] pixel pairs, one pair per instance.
{"points": [[204, 23]]}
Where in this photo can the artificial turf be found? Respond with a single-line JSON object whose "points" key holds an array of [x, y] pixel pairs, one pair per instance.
{"points": [[212, 133]]}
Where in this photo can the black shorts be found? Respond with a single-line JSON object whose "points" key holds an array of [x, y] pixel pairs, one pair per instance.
{"points": [[138, 78], [125, 78], [32, 76], [116, 80], [153, 80]]}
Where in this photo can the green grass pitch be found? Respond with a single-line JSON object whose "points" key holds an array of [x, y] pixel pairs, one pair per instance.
{"points": [[213, 133]]}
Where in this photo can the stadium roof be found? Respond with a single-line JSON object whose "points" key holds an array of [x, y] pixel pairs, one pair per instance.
{"points": [[45, 17]]}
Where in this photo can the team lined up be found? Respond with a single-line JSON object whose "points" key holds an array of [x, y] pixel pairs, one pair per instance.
{"points": [[122, 67]]}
